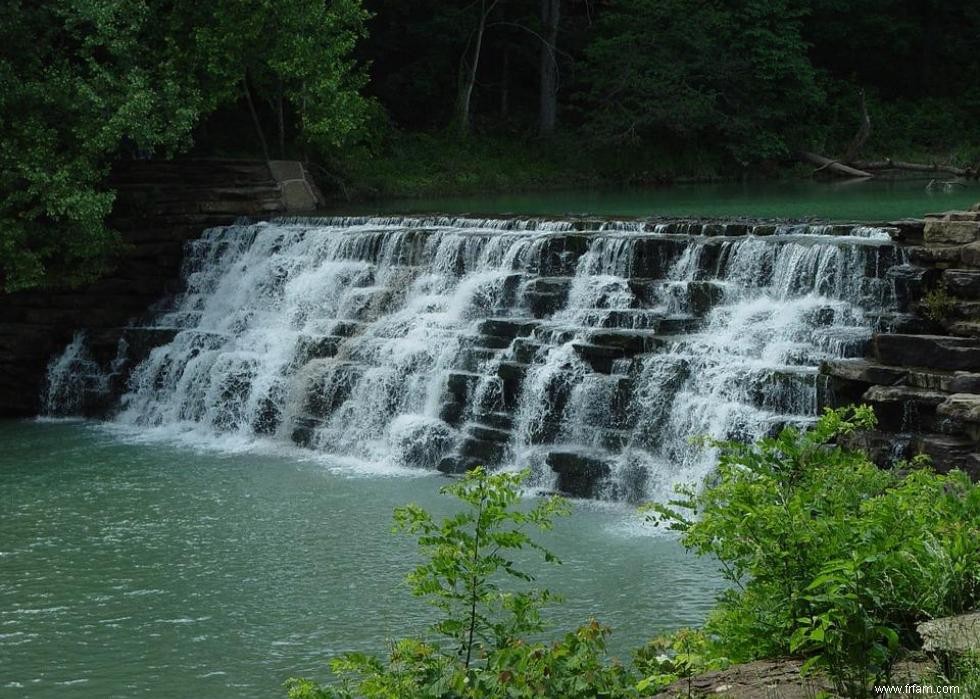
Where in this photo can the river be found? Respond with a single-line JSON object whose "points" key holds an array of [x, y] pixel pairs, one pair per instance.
{"points": [[131, 567]]}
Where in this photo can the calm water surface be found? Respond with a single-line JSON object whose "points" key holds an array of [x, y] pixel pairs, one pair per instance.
{"points": [[872, 200], [138, 569]]}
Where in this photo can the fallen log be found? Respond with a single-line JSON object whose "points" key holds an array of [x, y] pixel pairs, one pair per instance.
{"points": [[834, 166], [889, 164]]}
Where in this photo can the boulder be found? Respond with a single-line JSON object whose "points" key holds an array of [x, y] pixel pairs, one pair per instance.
{"points": [[951, 232], [579, 475], [304, 428], [932, 351], [454, 464], [951, 634]]}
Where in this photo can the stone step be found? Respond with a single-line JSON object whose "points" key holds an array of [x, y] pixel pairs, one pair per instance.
{"points": [[902, 408], [949, 452], [964, 283], [600, 358], [506, 327], [961, 414], [495, 342], [579, 475], [348, 328], [905, 324], [303, 429], [487, 433], [489, 453], [460, 384], [512, 376], [525, 350], [317, 347], [630, 342], [911, 282], [497, 420], [932, 351], [473, 358]]}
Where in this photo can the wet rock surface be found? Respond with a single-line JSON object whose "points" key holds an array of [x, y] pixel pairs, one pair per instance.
{"points": [[923, 376]]}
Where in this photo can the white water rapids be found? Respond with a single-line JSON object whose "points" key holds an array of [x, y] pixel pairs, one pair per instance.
{"points": [[590, 351]]}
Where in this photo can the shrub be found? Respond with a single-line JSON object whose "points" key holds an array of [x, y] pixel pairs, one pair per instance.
{"points": [[481, 646], [830, 557], [938, 303]]}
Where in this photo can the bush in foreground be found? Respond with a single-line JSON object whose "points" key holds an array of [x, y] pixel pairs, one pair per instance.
{"points": [[829, 558]]}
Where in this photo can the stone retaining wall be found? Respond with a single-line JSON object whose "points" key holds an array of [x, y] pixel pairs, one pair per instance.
{"points": [[159, 206]]}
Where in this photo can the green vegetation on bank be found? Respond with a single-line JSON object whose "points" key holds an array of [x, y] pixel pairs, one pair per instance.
{"points": [[86, 82], [432, 97], [830, 559]]}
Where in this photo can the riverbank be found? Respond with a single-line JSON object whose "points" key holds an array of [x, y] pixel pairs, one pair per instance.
{"points": [[414, 165]]}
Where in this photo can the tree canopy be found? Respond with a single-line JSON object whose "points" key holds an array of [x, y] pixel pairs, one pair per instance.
{"points": [[746, 82], [83, 82]]}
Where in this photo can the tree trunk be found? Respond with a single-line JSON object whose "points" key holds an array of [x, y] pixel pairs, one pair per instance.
{"points": [[862, 135], [282, 121], [468, 75], [890, 164], [255, 118], [548, 107], [505, 85], [832, 165]]}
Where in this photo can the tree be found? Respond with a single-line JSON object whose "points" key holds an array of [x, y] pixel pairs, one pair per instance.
{"points": [[85, 82], [548, 108], [468, 66], [80, 82], [732, 74]]}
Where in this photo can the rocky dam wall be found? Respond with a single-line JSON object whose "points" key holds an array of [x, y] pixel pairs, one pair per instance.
{"points": [[589, 350]]}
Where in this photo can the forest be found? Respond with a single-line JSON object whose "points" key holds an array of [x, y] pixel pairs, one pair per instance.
{"points": [[408, 98]]}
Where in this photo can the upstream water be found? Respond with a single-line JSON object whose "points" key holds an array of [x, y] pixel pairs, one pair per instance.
{"points": [[854, 200], [137, 568]]}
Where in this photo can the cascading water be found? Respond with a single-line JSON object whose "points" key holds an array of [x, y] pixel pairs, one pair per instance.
{"points": [[590, 351]]}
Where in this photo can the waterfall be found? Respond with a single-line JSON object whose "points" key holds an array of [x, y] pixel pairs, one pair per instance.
{"points": [[590, 351]]}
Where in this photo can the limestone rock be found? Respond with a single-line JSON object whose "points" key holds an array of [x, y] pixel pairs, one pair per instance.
{"points": [[904, 394], [956, 634], [863, 371], [961, 406], [933, 351], [951, 232], [964, 283], [949, 452], [970, 254]]}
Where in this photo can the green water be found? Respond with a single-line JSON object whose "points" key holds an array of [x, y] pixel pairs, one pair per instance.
{"points": [[130, 568], [873, 200]]}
